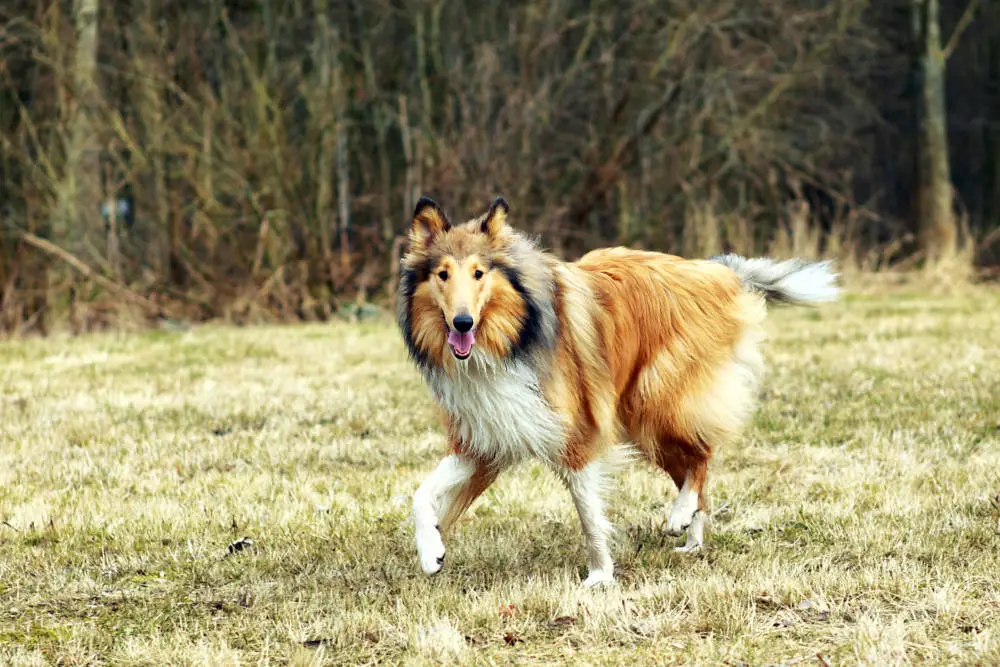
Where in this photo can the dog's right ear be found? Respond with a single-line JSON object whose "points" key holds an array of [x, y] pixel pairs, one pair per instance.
{"points": [[428, 221]]}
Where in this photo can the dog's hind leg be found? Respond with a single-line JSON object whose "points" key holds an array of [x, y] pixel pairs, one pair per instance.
{"points": [[691, 509], [699, 518], [441, 499], [586, 486]]}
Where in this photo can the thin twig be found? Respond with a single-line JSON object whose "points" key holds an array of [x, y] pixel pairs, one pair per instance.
{"points": [[989, 240], [963, 23]]}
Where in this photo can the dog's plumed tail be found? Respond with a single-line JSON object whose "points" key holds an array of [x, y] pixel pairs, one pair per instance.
{"points": [[793, 281]]}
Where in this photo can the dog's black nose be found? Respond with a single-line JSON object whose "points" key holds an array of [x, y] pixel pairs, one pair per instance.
{"points": [[462, 323]]}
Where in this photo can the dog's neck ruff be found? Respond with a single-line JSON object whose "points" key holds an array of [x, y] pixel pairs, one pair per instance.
{"points": [[497, 408]]}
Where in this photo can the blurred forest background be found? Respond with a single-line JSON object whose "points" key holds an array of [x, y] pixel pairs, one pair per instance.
{"points": [[255, 160]]}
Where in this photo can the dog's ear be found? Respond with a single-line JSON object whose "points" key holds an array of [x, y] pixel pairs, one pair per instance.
{"points": [[428, 221], [496, 217]]}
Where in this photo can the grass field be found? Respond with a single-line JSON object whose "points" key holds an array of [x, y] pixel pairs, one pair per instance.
{"points": [[853, 524]]}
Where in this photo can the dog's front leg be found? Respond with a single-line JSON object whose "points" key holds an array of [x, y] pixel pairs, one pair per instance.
{"points": [[585, 485], [456, 482]]}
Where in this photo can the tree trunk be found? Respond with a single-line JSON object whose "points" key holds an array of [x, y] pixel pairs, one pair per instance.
{"points": [[151, 230], [381, 119], [343, 171], [938, 231], [80, 192], [75, 223], [324, 116]]}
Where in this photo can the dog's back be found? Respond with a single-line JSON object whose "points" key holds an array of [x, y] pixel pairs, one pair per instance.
{"points": [[680, 340]]}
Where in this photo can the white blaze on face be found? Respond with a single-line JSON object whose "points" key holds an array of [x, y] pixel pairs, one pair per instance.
{"points": [[461, 289]]}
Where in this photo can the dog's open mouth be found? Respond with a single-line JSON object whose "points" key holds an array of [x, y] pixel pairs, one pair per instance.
{"points": [[461, 343]]}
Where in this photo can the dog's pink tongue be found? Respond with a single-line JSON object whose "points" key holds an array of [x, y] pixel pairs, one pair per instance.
{"points": [[462, 342]]}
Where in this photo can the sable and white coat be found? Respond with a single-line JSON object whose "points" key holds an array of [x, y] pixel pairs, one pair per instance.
{"points": [[529, 356]]}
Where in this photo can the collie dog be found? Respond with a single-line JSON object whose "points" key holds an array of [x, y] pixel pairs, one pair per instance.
{"points": [[530, 356]]}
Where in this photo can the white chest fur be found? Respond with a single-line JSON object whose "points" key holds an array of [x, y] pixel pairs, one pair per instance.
{"points": [[500, 412]]}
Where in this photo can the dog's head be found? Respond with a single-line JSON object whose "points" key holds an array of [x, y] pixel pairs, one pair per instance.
{"points": [[460, 290]]}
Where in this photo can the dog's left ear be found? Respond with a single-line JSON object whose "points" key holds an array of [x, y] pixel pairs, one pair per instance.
{"points": [[496, 218]]}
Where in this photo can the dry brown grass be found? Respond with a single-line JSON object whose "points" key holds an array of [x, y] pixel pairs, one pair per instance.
{"points": [[854, 522]]}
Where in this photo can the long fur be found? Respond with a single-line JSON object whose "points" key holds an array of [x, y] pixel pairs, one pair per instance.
{"points": [[792, 281], [573, 358]]}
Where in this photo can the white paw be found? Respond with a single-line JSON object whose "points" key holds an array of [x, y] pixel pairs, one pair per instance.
{"points": [[696, 534], [599, 578], [683, 512], [430, 548], [679, 521]]}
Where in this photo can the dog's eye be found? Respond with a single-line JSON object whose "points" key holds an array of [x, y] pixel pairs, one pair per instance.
{"points": [[443, 275], [478, 274]]}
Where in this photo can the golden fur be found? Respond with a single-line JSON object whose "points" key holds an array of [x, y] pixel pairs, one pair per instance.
{"points": [[626, 345]]}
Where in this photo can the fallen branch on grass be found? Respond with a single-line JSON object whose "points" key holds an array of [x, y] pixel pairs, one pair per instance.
{"points": [[52, 249]]}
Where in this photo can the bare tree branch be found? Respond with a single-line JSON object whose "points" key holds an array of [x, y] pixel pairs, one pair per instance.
{"points": [[963, 23]]}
